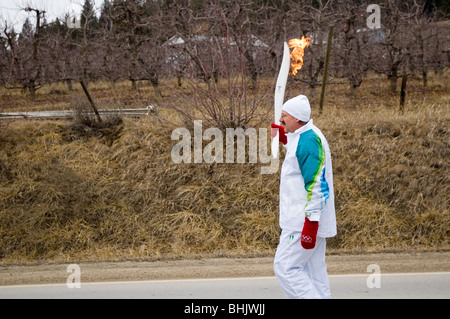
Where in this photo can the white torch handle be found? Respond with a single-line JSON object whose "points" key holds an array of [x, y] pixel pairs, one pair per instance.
{"points": [[279, 95]]}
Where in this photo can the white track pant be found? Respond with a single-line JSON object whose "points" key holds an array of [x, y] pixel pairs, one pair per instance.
{"points": [[301, 273]]}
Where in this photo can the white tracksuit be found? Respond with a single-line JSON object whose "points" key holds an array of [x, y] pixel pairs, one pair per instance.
{"points": [[306, 189]]}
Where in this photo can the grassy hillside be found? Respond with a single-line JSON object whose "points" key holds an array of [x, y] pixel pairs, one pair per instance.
{"points": [[72, 192]]}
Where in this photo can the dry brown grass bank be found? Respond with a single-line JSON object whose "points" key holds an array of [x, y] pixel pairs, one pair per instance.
{"points": [[117, 195]]}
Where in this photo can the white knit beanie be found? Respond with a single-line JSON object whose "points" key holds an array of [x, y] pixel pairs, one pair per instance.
{"points": [[298, 107]]}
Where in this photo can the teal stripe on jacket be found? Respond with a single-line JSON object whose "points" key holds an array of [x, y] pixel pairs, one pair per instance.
{"points": [[311, 159]]}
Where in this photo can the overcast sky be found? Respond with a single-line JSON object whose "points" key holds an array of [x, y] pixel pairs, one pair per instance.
{"points": [[12, 10]]}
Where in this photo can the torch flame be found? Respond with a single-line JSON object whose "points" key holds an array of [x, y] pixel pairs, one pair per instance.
{"points": [[297, 54]]}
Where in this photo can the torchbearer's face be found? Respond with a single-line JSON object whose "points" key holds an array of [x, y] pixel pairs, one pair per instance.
{"points": [[289, 122]]}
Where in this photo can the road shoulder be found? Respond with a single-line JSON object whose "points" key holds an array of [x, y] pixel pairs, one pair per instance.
{"points": [[216, 268]]}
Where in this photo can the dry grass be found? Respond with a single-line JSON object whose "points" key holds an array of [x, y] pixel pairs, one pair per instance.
{"points": [[65, 196]]}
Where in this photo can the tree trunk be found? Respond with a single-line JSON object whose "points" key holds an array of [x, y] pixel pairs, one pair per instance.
{"points": [[425, 77], [393, 81], [155, 83], [133, 84], [91, 101], [251, 68], [403, 92], [69, 84], [32, 91]]}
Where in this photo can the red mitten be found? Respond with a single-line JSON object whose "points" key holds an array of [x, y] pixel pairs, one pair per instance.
{"points": [[283, 137], [309, 234]]}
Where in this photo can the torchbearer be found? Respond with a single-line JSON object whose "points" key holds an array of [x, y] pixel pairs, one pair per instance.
{"points": [[307, 213]]}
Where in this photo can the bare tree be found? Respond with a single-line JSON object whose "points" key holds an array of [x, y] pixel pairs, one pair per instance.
{"points": [[275, 24], [190, 37], [353, 45], [152, 56], [427, 50], [236, 23], [395, 49], [316, 17], [87, 42], [126, 16], [35, 75], [27, 65], [8, 54]]}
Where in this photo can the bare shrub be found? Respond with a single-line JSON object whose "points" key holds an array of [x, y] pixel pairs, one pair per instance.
{"points": [[230, 105], [85, 123]]}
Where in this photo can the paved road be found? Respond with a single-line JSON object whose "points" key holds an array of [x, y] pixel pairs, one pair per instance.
{"points": [[388, 286]]}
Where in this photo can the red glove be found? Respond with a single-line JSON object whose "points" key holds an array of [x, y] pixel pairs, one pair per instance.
{"points": [[283, 137], [309, 234]]}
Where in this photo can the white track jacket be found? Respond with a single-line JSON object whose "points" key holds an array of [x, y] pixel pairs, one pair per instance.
{"points": [[306, 182]]}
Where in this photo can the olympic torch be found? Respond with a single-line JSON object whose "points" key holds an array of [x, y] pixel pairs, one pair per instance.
{"points": [[279, 95], [298, 46]]}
